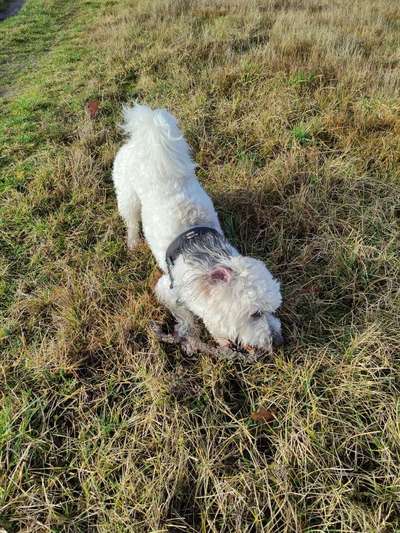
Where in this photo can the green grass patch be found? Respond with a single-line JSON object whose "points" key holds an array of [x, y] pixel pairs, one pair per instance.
{"points": [[301, 134]]}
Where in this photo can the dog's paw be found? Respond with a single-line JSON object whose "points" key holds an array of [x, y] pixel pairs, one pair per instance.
{"points": [[192, 345], [132, 242], [168, 338]]}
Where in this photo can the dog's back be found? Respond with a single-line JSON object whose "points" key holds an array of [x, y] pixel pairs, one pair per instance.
{"points": [[154, 171]]}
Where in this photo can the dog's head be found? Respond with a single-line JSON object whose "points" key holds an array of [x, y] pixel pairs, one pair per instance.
{"points": [[236, 298]]}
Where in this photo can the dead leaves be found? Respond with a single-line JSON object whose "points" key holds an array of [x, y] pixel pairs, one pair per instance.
{"points": [[263, 415], [92, 108]]}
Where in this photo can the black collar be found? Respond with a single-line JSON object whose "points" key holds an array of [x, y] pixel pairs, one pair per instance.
{"points": [[177, 245]]}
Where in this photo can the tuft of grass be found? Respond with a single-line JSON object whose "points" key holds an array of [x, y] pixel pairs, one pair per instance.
{"points": [[292, 109], [301, 134]]}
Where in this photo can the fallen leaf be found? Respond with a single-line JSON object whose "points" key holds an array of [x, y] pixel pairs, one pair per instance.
{"points": [[263, 415], [92, 107]]}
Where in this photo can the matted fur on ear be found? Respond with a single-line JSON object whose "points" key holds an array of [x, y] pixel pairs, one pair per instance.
{"points": [[220, 274]]}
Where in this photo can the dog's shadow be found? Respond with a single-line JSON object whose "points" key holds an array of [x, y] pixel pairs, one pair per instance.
{"points": [[284, 232], [245, 217]]}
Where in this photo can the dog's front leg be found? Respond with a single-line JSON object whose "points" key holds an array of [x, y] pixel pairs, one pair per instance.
{"points": [[186, 328]]}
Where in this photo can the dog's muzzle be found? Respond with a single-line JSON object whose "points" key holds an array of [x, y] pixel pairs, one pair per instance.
{"points": [[277, 339]]}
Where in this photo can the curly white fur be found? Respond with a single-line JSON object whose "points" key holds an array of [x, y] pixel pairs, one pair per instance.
{"points": [[154, 178]]}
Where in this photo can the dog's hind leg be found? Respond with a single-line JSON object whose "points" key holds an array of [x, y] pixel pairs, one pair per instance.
{"points": [[129, 208]]}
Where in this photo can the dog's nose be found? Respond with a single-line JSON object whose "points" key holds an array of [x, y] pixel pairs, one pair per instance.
{"points": [[277, 339]]}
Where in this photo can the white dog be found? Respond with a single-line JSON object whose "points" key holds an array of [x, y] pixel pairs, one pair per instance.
{"points": [[204, 275]]}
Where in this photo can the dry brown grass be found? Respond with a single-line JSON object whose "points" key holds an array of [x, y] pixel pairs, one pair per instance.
{"points": [[292, 108]]}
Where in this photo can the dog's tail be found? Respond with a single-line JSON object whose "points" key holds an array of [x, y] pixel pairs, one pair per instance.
{"points": [[158, 141]]}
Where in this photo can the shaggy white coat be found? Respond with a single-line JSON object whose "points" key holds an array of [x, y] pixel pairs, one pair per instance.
{"points": [[155, 181]]}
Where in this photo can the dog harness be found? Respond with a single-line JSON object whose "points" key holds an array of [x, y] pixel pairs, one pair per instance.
{"points": [[177, 245]]}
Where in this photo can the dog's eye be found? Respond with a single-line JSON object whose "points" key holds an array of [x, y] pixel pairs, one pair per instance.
{"points": [[257, 314]]}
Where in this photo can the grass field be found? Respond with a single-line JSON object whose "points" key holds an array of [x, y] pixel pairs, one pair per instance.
{"points": [[292, 108]]}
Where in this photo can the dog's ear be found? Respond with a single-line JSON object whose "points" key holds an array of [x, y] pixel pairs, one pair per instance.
{"points": [[220, 274]]}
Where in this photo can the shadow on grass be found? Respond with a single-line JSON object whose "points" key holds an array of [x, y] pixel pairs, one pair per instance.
{"points": [[9, 8]]}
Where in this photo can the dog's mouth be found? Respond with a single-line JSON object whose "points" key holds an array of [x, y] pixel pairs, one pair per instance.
{"points": [[245, 349], [249, 349]]}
